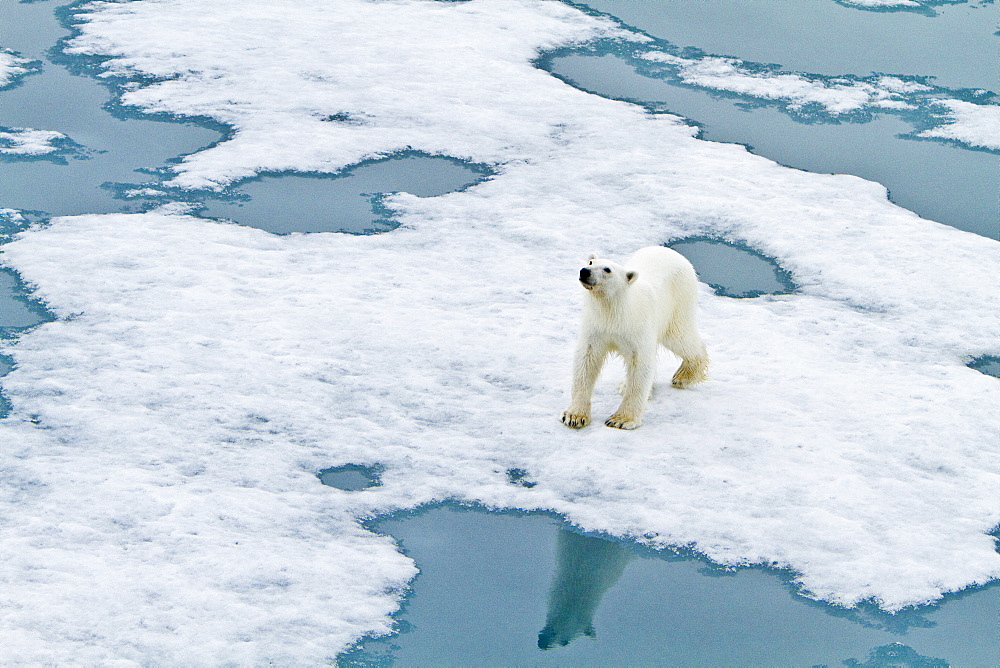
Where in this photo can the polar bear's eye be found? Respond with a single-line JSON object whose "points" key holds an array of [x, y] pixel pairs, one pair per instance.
{"points": [[607, 270]]}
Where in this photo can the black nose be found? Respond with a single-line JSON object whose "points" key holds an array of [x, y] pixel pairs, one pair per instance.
{"points": [[585, 273]]}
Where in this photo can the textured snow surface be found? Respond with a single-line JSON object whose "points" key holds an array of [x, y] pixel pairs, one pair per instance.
{"points": [[160, 457]]}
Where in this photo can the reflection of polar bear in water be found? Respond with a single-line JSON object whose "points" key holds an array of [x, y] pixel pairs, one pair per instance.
{"points": [[587, 567], [630, 310]]}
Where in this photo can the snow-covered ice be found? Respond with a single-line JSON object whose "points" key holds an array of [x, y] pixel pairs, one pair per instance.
{"points": [[28, 142], [835, 96], [901, 4], [13, 67], [166, 431], [882, 3], [973, 124]]}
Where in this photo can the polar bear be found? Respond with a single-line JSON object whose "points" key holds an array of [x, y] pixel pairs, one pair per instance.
{"points": [[630, 310]]}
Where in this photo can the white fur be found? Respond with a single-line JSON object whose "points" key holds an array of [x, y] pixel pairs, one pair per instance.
{"points": [[631, 310]]}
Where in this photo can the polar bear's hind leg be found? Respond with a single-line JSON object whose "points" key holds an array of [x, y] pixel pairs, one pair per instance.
{"points": [[682, 338], [694, 358], [687, 344]]}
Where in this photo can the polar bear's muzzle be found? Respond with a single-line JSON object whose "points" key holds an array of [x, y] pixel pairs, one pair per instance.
{"points": [[586, 278]]}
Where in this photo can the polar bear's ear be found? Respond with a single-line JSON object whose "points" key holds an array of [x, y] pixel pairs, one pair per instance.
{"points": [[630, 276], [592, 256]]}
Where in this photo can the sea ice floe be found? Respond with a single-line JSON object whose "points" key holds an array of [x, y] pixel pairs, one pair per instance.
{"points": [[166, 431], [924, 5], [882, 3], [24, 142], [969, 123], [13, 67], [836, 96], [973, 124]]}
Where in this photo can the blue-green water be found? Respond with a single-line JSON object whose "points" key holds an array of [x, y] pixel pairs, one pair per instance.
{"points": [[349, 203], [113, 146], [494, 588], [732, 270], [15, 311], [351, 477], [989, 365]]}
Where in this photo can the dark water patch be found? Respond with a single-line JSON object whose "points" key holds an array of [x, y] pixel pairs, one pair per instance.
{"points": [[346, 202], [734, 270], [17, 313], [988, 364], [498, 588], [352, 477], [933, 179], [520, 478], [17, 310], [6, 366]]}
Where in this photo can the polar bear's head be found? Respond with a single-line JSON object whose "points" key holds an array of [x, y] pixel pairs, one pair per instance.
{"points": [[604, 276]]}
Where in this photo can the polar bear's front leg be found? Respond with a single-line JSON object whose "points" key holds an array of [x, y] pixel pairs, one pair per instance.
{"points": [[586, 368], [639, 370]]}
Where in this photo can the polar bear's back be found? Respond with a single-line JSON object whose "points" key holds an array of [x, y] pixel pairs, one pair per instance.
{"points": [[659, 264], [674, 283]]}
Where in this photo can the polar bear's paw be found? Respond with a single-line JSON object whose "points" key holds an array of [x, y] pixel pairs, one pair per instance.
{"points": [[690, 373], [575, 419], [623, 421]]}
